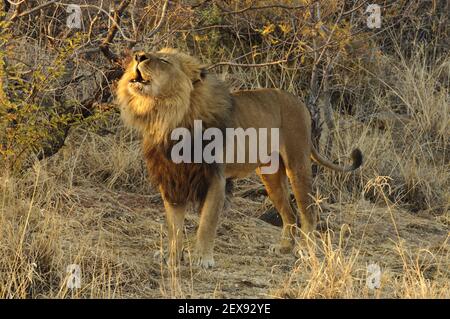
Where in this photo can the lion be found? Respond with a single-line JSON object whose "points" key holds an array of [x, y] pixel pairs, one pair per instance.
{"points": [[161, 91]]}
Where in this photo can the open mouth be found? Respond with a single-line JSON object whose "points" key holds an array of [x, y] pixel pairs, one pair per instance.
{"points": [[139, 78]]}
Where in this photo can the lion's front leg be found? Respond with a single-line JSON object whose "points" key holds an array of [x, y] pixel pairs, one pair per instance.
{"points": [[175, 224], [209, 216]]}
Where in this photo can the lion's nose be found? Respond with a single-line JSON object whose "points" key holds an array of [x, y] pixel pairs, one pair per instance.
{"points": [[140, 57]]}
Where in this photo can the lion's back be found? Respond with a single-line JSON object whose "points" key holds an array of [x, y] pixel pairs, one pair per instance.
{"points": [[265, 107]]}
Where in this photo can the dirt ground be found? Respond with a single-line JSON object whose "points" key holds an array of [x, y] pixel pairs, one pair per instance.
{"points": [[129, 228]]}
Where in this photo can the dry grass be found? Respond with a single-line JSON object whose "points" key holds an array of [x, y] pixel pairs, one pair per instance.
{"points": [[91, 205]]}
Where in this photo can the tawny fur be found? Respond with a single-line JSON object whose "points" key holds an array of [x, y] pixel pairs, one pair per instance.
{"points": [[172, 91]]}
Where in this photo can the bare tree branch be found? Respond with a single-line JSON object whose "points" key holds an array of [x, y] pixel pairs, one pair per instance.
{"points": [[18, 14], [327, 107], [354, 9], [104, 47], [316, 125], [248, 65], [251, 7], [161, 20]]}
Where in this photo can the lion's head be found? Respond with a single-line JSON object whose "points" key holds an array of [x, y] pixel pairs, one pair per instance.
{"points": [[156, 89], [161, 74]]}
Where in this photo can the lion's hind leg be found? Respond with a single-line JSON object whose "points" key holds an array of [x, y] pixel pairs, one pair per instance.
{"points": [[278, 191], [300, 176]]}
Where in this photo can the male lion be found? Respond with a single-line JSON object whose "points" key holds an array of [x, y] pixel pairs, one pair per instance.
{"points": [[163, 90]]}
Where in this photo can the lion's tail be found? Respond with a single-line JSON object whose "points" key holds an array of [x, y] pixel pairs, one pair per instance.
{"points": [[356, 156]]}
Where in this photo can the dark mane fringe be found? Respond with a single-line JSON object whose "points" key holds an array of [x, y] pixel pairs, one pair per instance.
{"points": [[180, 182], [183, 183]]}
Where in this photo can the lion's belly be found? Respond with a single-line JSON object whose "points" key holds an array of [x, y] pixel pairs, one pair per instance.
{"points": [[239, 170]]}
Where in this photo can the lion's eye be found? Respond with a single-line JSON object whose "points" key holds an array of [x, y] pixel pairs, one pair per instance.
{"points": [[164, 60]]}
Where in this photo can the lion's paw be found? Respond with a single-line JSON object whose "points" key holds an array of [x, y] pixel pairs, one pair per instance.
{"points": [[205, 261], [280, 249], [161, 256]]}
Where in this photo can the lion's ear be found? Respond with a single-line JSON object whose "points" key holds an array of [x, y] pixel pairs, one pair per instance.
{"points": [[203, 73], [199, 74]]}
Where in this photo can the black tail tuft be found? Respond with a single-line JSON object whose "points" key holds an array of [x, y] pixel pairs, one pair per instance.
{"points": [[357, 158]]}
